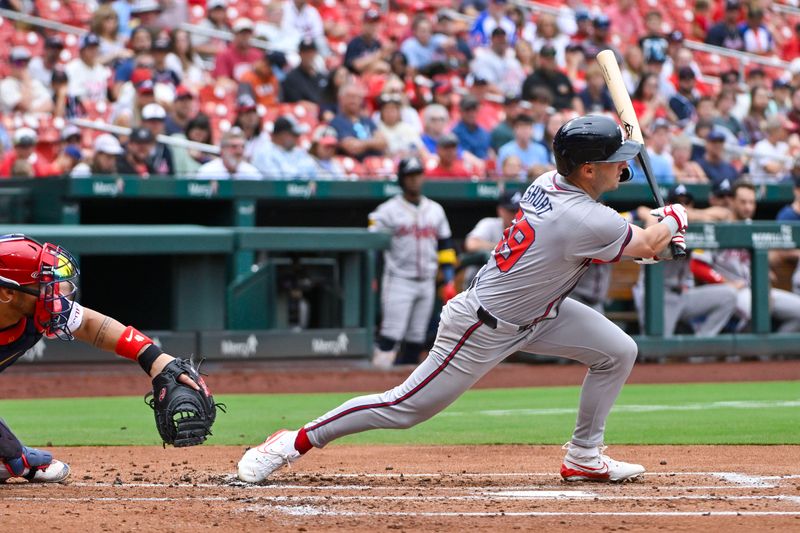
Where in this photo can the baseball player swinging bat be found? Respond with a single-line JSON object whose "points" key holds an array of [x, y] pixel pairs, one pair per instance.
{"points": [[622, 101]]}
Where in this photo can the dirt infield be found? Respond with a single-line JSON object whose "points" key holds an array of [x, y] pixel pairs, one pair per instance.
{"points": [[385, 488]]}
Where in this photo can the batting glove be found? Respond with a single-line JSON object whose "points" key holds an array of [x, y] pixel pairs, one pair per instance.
{"points": [[679, 240], [674, 216]]}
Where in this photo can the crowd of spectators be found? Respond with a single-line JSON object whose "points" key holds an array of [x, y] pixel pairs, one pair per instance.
{"points": [[342, 90]]}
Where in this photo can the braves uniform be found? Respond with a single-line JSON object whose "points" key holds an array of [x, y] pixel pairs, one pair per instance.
{"points": [[734, 265], [516, 303], [592, 288], [410, 264], [708, 308]]}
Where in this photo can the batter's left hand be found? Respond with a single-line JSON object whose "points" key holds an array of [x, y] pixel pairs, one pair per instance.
{"points": [[679, 240]]}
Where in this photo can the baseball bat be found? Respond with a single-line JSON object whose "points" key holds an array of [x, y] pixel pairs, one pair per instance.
{"points": [[622, 101]]}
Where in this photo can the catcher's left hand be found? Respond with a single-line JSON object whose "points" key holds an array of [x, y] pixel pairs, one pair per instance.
{"points": [[184, 415]]}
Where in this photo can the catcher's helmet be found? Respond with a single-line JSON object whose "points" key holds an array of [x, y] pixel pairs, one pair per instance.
{"points": [[53, 271], [592, 139], [408, 167]]}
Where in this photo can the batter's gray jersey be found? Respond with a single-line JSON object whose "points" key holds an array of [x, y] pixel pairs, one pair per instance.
{"points": [[592, 288], [415, 230], [558, 232]]}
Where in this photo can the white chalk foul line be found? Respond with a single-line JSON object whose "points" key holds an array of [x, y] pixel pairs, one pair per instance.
{"points": [[332, 499], [632, 408], [308, 510]]}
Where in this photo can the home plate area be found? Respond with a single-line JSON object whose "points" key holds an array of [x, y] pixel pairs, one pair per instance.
{"points": [[431, 488]]}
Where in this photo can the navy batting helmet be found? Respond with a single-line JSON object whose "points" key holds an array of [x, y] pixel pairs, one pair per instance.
{"points": [[408, 167], [592, 139]]}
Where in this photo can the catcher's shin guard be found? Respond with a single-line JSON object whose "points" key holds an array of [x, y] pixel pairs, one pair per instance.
{"points": [[35, 465]]}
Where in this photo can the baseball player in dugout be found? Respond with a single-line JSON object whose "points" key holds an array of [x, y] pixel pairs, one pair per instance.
{"points": [[706, 309], [421, 244], [38, 286], [517, 302], [732, 267]]}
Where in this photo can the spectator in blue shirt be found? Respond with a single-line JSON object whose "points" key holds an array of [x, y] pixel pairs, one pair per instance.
{"points": [[357, 133], [533, 155], [713, 163], [791, 212], [421, 49], [471, 137], [365, 51], [493, 17], [683, 102]]}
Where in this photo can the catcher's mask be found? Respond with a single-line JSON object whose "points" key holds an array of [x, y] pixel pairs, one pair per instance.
{"points": [[46, 271]]}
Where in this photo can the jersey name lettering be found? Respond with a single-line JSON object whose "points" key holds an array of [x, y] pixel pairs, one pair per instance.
{"points": [[537, 197], [424, 232]]}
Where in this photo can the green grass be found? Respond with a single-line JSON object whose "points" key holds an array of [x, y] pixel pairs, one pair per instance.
{"points": [[760, 413]]}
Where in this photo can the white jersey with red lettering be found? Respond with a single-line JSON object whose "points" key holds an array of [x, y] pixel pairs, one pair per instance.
{"points": [[558, 231], [415, 230]]}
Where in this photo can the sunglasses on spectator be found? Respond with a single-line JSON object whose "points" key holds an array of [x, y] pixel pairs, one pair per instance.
{"points": [[391, 98], [19, 62], [146, 65]]}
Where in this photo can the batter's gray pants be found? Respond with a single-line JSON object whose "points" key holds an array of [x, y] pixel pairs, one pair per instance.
{"points": [[783, 305], [717, 303], [406, 306], [466, 349]]}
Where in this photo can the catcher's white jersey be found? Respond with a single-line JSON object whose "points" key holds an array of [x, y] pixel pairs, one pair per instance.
{"points": [[415, 230], [556, 234]]}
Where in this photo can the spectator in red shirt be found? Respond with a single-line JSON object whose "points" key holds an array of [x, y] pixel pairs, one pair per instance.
{"points": [[626, 20], [237, 58], [791, 48], [449, 166], [25, 140]]}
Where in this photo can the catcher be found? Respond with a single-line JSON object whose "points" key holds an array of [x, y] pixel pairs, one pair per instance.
{"points": [[38, 285]]}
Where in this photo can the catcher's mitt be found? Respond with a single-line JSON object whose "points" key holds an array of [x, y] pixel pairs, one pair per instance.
{"points": [[184, 416]]}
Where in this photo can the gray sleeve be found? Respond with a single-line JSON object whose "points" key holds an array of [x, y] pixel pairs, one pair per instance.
{"points": [[379, 219], [443, 230], [600, 234]]}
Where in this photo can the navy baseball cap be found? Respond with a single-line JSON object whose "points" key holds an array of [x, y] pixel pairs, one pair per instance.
{"points": [[715, 135], [722, 188], [602, 21], [509, 200], [409, 167], [141, 136], [678, 192], [89, 39]]}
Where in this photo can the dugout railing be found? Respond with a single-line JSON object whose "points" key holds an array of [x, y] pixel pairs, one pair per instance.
{"points": [[200, 283], [288, 203]]}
